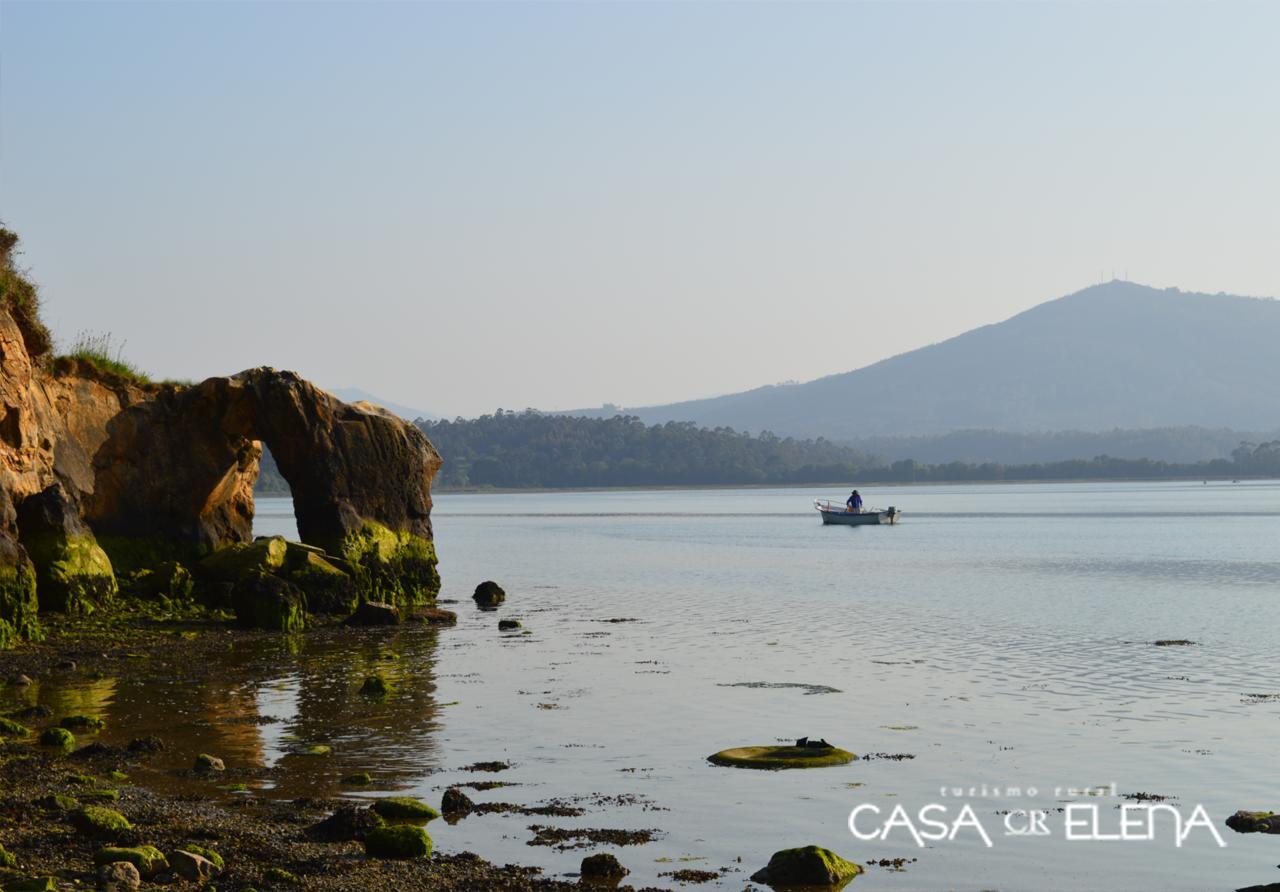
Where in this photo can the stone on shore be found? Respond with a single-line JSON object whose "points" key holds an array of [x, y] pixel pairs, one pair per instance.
{"points": [[206, 762], [73, 573], [489, 594], [97, 820], [349, 822], [119, 876], [192, 867], [807, 866], [400, 841], [58, 738], [508, 625]]}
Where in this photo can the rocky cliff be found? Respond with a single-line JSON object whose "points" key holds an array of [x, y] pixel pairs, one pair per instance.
{"points": [[111, 483]]}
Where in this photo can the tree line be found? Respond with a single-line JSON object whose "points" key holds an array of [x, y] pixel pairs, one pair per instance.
{"points": [[522, 450]]}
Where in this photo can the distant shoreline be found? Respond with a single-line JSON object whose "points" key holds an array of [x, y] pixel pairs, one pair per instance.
{"points": [[840, 485]]}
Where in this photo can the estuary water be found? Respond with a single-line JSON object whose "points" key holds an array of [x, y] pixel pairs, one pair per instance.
{"points": [[999, 643]]}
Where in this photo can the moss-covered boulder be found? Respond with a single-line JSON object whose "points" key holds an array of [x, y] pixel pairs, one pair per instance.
{"points": [[397, 568], [73, 573], [1254, 822], [207, 763], [807, 866], [509, 625], [205, 852], [234, 562], [167, 581], [7, 859], [362, 779], [775, 758], [82, 723], [10, 728], [18, 602], [397, 841], [278, 876], [329, 589], [58, 738], [404, 809], [148, 859], [263, 601], [98, 820], [349, 822]]}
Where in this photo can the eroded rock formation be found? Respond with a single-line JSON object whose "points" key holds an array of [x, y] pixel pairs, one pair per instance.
{"points": [[104, 476]]}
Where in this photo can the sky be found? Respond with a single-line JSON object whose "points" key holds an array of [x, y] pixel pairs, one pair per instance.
{"points": [[461, 207]]}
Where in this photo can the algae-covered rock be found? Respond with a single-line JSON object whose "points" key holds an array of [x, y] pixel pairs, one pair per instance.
{"points": [[235, 562], [397, 841], [7, 859], [328, 588], [167, 581], [362, 779], [278, 876], [807, 866], [98, 820], [263, 601], [314, 749], [508, 625], [10, 728], [18, 602], [32, 884], [433, 616], [58, 738], [73, 573], [602, 866], [205, 852], [1254, 822], [58, 802], [489, 594], [393, 567], [404, 809], [82, 723], [779, 757], [148, 859]]}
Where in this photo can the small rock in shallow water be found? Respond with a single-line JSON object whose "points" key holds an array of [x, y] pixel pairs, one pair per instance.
{"points": [[146, 745], [206, 762], [375, 613], [604, 866], [506, 625], [434, 616], [118, 876], [456, 802], [375, 686], [39, 711], [59, 738], [489, 594], [1254, 822], [807, 866]]}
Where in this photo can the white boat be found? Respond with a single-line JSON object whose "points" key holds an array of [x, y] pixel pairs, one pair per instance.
{"points": [[837, 513]]}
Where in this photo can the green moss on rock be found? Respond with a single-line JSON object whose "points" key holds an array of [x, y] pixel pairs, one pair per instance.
{"points": [[779, 757], [397, 841], [280, 876], [18, 604], [375, 686], [148, 859], [234, 562], [263, 601], [7, 859], [98, 820], [396, 568], [58, 738], [167, 581], [329, 589], [73, 573], [10, 728], [82, 723], [210, 854], [363, 779], [404, 809], [807, 866]]}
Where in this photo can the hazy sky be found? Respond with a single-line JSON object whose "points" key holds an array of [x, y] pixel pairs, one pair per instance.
{"points": [[460, 207]]}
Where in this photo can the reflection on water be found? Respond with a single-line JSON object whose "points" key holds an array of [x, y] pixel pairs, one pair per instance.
{"points": [[1000, 635]]}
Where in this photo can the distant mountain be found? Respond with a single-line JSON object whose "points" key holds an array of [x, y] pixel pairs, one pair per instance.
{"points": [[355, 395], [1117, 355]]}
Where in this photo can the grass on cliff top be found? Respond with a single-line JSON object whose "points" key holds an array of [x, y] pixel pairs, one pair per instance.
{"points": [[97, 349], [18, 296]]}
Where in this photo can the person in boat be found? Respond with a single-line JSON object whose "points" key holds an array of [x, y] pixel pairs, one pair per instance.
{"points": [[854, 503]]}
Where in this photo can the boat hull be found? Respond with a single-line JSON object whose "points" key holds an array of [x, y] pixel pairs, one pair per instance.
{"points": [[866, 518]]}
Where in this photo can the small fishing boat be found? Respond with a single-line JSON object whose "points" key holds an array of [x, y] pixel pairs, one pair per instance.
{"points": [[837, 513]]}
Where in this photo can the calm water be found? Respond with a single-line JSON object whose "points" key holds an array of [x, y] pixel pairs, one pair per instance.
{"points": [[999, 634]]}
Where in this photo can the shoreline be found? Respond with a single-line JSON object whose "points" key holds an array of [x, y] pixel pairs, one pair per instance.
{"points": [[840, 485], [260, 838]]}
